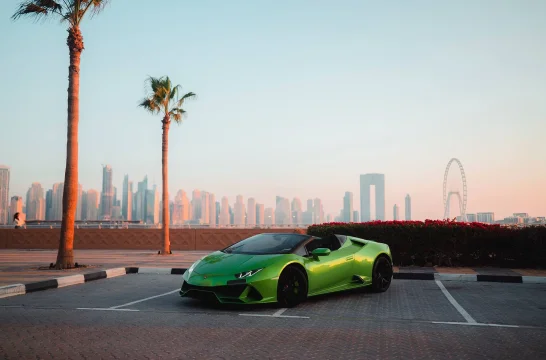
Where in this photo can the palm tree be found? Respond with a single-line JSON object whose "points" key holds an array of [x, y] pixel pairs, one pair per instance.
{"points": [[165, 99], [72, 12]]}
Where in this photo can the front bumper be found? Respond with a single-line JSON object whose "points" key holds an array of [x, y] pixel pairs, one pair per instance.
{"points": [[237, 292]]}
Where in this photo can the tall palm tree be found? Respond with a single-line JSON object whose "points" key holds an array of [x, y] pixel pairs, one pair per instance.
{"points": [[72, 12], [166, 100]]}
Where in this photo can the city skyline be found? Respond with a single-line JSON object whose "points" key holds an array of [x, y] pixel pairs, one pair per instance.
{"points": [[46, 204]]}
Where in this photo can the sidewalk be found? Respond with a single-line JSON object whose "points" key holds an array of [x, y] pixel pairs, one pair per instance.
{"points": [[22, 266]]}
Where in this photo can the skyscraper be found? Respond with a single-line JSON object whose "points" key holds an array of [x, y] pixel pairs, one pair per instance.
{"points": [[127, 199], [84, 206], [35, 202], [212, 210], [79, 204], [48, 205], [92, 211], [348, 207], [57, 202], [224, 212], [4, 194], [318, 212], [486, 217], [269, 215], [407, 212], [16, 206], [140, 200], [283, 215], [366, 181], [196, 205], [239, 212], [107, 196], [251, 213], [297, 211], [395, 212], [356, 218], [181, 208], [152, 206], [308, 215], [260, 215], [205, 208]]}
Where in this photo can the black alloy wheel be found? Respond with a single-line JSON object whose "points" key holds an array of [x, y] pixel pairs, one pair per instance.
{"points": [[292, 287], [382, 274]]}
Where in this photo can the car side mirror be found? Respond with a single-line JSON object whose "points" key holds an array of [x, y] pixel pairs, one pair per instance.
{"points": [[320, 252]]}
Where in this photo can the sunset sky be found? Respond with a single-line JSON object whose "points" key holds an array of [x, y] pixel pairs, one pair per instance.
{"points": [[295, 98]]}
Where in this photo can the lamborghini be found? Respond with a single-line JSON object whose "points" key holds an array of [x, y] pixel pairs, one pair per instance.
{"points": [[287, 268]]}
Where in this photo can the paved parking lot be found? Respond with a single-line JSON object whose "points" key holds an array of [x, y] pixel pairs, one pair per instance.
{"points": [[141, 316]]}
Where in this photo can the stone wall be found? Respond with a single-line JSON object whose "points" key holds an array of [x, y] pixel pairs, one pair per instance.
{"points": [[131, 239]]}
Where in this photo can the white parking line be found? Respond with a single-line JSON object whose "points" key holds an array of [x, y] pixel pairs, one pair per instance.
{"points": [[146, 299], [106, 309], [276, 316], [474, 324], [279, 313], [454, 302]]}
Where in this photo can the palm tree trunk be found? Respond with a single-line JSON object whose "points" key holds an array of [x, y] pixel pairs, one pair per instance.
{"points": [[165, 174], [65, 256]]}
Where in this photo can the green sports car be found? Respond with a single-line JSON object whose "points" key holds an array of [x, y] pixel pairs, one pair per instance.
{"points": [[287, 268]]}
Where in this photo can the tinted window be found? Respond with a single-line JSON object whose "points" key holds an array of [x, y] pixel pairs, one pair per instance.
{"points": [[267, 244]]}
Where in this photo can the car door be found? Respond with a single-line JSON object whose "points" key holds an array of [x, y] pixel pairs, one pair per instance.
{"points": [[329, 271]]}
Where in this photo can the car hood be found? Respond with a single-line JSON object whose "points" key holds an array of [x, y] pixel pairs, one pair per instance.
{"points": [[220, 263]]}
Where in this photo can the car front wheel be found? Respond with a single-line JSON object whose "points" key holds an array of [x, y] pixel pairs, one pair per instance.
{"points": [[292, 287], [382, 274]]}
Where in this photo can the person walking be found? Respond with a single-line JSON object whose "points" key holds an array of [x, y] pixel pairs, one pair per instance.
{"points": [[17, 221]]}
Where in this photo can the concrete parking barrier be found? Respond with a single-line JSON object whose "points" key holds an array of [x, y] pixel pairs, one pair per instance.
{"points": [[12, 290]]}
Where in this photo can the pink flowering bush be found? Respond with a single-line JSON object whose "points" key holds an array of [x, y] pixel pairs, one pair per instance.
{"points": [[450, 243]]}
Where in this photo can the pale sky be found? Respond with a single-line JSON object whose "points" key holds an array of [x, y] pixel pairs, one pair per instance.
{"points": [[295, 98]]}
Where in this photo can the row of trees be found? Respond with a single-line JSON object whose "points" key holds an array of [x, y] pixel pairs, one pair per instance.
{"points": [[163, 98]]}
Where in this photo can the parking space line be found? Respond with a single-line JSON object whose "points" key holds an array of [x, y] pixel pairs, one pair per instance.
{"points": [[474, 324], [277, 316], [454, 302], [279, 312], [106, 309], [146, 299]]}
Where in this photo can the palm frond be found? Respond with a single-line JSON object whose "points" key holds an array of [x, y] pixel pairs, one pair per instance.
{"points": [[177, 114], [37, 9], [186, 96], [149, 105]]}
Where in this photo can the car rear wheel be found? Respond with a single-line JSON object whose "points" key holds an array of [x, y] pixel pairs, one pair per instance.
{"points": [[382, 274], [292, 287]]}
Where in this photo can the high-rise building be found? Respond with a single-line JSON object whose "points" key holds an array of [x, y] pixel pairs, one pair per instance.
{"points": [[35, 209], [49, 205], [218, 212], [84, 206], [224, 212], [196, 205], [297, 211], [127, 199], [139, 198], [205, 208], [260, 215], [471, 217], [283, 214], [57, 202], [366, 181], [92, 202], [395, 212], [348, 207], [318, 212], [181, 208], [239, 212], [407, 212], [4, 194], [212, 211], [269, 215], [16, 206], [486, 217], [152, 206], [355, 216], [308, 215], [251, 212], [107, 196]]}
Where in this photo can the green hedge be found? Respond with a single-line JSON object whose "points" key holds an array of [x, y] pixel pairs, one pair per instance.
{"points": [[449, 243]]}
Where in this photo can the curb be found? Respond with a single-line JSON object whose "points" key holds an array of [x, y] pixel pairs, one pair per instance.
{"points": [[21, 289]]}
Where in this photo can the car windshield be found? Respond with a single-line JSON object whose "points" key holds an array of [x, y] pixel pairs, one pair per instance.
{"points": [[262, 244]]}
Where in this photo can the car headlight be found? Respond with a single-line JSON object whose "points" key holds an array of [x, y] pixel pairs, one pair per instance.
{"points": [[246, 274]]}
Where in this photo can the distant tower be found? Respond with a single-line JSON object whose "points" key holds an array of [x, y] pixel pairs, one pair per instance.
{"points": [[212, 210], [224, 212], [395, 212], [127, 199], [107, 197], [251, 212], [57, 202], [366, 181], [348, 207], [35, 202], [407, 212], [4, 194], [260, 214], [16, 206], [239, 212]]}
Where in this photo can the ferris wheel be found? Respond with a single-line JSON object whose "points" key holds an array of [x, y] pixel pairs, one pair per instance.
{"points": [[450, 194]]}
